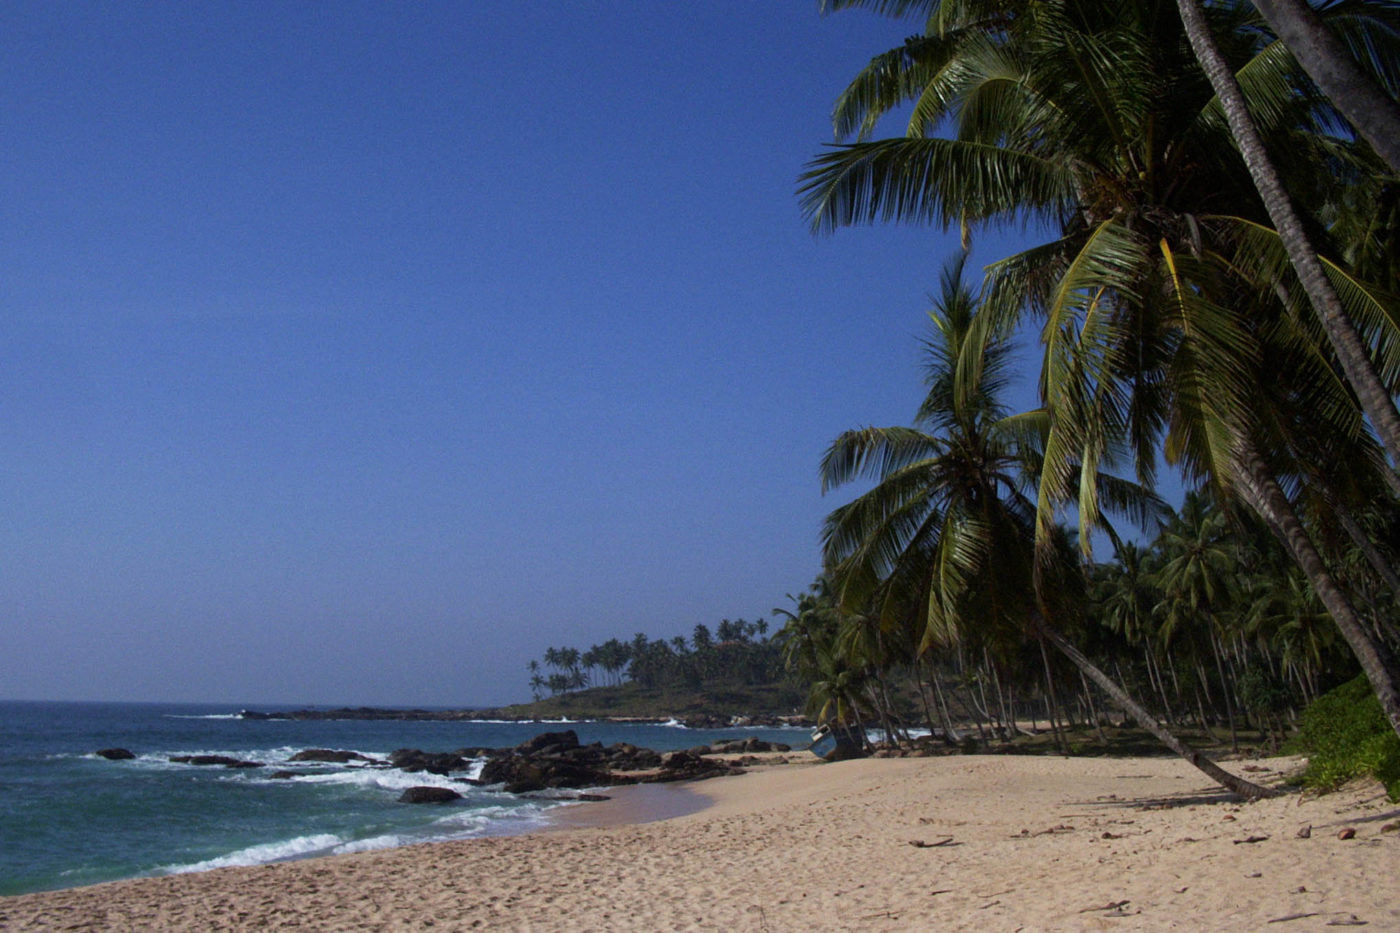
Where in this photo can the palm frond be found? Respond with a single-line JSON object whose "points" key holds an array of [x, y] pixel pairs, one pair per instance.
{"points": [[937, 181]]}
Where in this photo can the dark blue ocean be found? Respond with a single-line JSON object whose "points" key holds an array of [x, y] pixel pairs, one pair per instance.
{"points": [[69, 818]]}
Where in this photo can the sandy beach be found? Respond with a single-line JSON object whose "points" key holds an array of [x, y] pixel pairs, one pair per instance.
{"points": [[978, 842]]}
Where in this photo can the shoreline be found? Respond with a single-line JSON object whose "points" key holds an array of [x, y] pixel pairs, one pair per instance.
{"points": [[960, 842], [629, 805]]}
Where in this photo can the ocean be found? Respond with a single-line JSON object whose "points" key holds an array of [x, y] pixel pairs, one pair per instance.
{"points": [[70, 818]]}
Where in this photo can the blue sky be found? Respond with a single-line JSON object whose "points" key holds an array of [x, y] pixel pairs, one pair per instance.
{"points": [[358, 352]]}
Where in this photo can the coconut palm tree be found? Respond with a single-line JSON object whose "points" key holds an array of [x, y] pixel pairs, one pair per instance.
{"points": [[1376, 399], [1355, 81], [1161, 298], [950, 525]]}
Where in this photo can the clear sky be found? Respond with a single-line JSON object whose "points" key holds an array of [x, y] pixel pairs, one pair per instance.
{"points": [[358, 352]]}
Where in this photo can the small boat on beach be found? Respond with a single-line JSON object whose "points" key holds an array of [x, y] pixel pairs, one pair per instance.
{"points": [[831, 742]]}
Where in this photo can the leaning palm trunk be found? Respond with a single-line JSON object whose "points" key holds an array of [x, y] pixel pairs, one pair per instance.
{"points": [[1328, 62], [1351, 351], [1093, 709], [1142, 717], [950, 733], [1261, 491], [1368, 548], [1052, 704]]}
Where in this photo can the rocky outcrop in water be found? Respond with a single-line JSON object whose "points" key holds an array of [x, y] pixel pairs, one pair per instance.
{"points": [[556, 759], [114, 754], [413, 761], [429, 795], [211, 760], [550, 761], [330, 756]]}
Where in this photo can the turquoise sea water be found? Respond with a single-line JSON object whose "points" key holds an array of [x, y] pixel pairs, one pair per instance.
{"points": [[69, 818]]}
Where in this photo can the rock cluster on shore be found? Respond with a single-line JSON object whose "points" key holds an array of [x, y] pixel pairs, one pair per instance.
{"points": [[549, 761]]}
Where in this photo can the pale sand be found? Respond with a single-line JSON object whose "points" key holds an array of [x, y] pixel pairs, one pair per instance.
{"points": [[1036, 843]]}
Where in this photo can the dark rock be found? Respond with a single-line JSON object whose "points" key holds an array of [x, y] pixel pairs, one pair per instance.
{"points": [[683, 766], [673, 761], [414, 760], [115, 754], [549, 743], [625, 757], [429, 795], [521, 774], [330, 755], [210, 760], [706, 722], [281, 775]]}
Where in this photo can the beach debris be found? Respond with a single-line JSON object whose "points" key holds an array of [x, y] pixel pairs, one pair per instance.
{"points": [[1391, 827], [1292, 917], [1228, 818], [1248, 840], [429, 795], [940, 891], [1111, 905], [1260, 768], [1109, 835], [114, 754], [1054, 830], [1305, 832], [921, 844], [1255, 874], [1348, 921], [1347, 833]]}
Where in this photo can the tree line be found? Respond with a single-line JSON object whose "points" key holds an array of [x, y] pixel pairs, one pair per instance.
{"points": [[1213, 292], [736, 653]]}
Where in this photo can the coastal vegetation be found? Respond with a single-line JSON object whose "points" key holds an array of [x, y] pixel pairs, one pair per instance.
{"points": [[1211, 292], [1214, 291], [737, 654]]}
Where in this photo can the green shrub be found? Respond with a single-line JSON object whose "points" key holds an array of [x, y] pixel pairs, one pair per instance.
{"points": [[1345, 735]]}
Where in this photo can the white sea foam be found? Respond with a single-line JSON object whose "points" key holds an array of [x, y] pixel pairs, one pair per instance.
{"points": [[380, 778], [204, 716], [390, 841], [262, 854]]}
